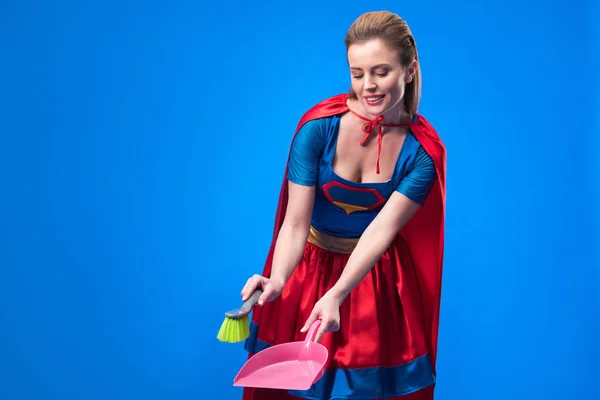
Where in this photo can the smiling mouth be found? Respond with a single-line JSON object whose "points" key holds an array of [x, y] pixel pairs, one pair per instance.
{"points": [[373, 100]]}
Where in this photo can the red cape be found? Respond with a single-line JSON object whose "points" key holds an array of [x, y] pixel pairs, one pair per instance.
{"points": [[424, 233]]}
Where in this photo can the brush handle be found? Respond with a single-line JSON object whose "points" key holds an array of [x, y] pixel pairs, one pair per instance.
{"points": [[251, 302], [246, 308]]}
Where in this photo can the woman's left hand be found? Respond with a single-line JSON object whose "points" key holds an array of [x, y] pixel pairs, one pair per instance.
{"points": [[327, 309]]}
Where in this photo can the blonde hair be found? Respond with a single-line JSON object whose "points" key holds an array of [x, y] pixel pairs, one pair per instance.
{"points": [[395, 33]]}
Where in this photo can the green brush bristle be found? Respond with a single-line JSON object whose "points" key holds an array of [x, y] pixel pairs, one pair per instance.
{"points": [[234, 330]]}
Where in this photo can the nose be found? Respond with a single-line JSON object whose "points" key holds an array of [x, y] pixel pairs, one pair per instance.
{"points": [[370, 83]]}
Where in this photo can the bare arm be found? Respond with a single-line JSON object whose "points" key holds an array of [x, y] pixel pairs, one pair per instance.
{"points": [[294, 232], [302, 172], [289, 246], [374, 242]]}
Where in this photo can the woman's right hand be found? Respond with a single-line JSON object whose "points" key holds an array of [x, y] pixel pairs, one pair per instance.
{"points": [[271, 288]]}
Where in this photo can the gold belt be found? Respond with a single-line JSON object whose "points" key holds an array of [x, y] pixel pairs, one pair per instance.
{"points": [[331, 243]]}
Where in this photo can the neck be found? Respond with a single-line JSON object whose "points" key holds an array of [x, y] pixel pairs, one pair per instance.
{"points": [[395, 115]]}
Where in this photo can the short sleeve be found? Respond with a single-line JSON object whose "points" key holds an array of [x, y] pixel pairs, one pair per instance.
{"points": [[417, 184], [306, 152]]}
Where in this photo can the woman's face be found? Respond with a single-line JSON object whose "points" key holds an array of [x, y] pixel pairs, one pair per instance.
{"points": [[378, 78]]}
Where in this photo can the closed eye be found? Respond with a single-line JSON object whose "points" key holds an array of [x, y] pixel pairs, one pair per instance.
{"points": [[382, 75]]}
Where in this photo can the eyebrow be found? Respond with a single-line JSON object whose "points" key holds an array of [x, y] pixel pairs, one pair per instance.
{"points": [[375, 66]]}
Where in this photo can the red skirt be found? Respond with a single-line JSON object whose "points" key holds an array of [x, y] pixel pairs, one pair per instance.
{"points": [[380, 349]]}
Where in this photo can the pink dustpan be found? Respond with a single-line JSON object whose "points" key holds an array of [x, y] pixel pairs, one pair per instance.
{"points": [[290, 366]]}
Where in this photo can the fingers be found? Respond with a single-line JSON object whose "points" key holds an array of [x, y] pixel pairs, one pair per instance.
{"points": [[266, 295], [248, 287], [327, 325], [251, 285], [312, 318], [323, 329]]}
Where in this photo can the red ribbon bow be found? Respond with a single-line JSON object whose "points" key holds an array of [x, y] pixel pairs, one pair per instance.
{"points": [[368, 129]]}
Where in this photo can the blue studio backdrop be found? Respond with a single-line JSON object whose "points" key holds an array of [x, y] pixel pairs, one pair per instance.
{"points": [[143, 147]]}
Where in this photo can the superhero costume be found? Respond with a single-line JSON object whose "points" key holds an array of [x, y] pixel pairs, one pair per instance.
{"points": [[386, 345]]}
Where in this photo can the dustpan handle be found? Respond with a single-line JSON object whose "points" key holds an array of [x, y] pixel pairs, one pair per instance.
{"points": [[312, 331]]}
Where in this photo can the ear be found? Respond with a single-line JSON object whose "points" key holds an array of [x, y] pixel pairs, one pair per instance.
{"points": [[411, 71]]}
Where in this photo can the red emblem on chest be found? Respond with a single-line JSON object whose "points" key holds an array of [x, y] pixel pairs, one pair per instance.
{"points": [[352, 199]]}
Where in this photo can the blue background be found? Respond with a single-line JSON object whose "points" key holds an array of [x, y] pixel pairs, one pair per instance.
{"points": [[136, 198]]}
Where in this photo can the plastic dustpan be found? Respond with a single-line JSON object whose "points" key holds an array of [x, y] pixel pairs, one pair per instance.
{"points": [[290, 366]]}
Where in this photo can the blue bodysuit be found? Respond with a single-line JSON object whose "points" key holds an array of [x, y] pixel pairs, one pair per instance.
{"points": [[345, 208]]}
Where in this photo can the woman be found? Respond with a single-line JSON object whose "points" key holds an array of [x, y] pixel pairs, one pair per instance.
{"points": [[358, 238]]}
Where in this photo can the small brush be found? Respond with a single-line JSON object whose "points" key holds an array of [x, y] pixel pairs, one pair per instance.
{"points": [[235, 327]]}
